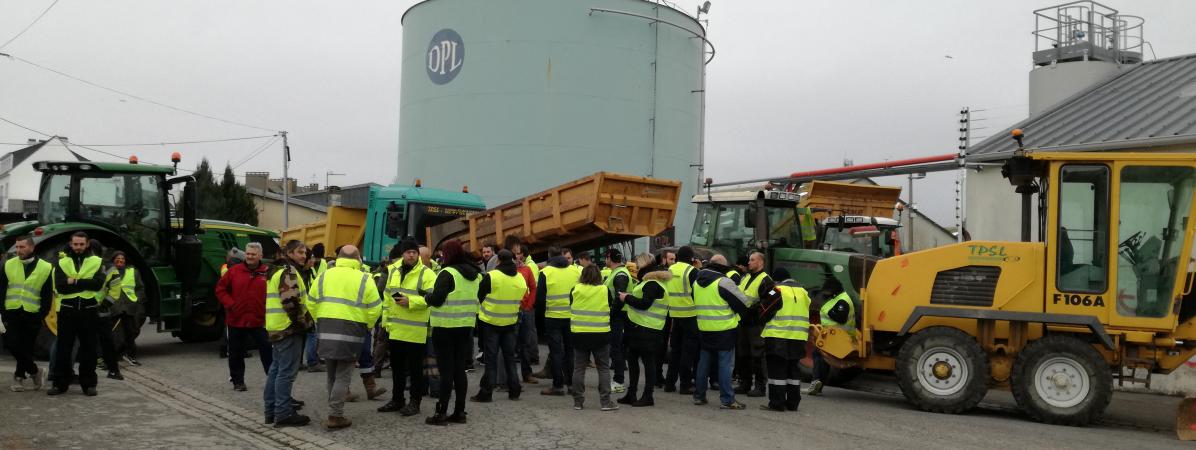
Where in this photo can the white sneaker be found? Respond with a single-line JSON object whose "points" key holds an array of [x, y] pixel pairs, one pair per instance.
{"points": [[18, 384], [617, 387]]}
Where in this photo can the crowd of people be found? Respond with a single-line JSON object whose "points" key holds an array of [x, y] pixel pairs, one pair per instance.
{"points": [[716, 326]]}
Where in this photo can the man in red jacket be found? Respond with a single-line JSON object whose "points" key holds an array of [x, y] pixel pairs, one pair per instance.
{"points": [[242, 291]]}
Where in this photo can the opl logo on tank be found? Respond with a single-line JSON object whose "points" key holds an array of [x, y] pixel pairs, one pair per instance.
{"points": [[446, 55]]}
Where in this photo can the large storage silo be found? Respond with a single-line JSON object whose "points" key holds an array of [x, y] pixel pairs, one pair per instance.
{"points": [[513, 96]]}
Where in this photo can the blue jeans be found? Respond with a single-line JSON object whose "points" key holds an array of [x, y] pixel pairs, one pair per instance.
{"points": [[726, 362], [527, 345], [285, 364], [365, 360], [313, 358]]}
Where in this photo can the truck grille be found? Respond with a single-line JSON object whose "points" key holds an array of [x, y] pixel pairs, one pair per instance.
{"points": [[966, 286]]}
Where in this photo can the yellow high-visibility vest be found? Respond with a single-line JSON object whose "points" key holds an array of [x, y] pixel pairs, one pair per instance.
{"points": [[558, 282], [25, 293], [460, 307], [590, 311], [501, 306], [654, 316], [792, 321], [408, 324], [681, 302]]}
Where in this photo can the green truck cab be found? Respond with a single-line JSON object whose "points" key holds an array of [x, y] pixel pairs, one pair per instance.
{"points": [[398, 211], [128, 207]]}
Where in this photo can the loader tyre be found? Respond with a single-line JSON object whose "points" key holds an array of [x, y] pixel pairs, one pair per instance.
{"points": [[943, 370], [1062, 380]]}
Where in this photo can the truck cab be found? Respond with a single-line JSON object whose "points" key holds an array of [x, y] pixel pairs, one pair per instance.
{"points": [[400, 211]]}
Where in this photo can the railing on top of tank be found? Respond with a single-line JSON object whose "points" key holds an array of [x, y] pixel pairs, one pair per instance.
{"points": [[1090, 22]]}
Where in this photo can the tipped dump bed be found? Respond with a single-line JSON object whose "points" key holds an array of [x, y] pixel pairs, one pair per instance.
{"points": [[849, 199], [600, 209]]}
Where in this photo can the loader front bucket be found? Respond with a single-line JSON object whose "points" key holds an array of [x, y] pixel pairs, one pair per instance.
{"points": [[1185, 420]]}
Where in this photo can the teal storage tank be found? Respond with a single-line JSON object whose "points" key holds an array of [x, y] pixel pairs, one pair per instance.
{"points": [[513, 96]]}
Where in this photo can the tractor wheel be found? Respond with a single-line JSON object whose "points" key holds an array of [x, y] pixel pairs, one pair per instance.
{"points": [[1062, 380], [943, 370], [201, 327]]}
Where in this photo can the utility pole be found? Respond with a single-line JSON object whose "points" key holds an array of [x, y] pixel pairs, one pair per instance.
{"points": [[961, 176], [286, 183]]}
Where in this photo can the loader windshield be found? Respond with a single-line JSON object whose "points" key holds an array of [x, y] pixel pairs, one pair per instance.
{"points": [[1154, 205]]}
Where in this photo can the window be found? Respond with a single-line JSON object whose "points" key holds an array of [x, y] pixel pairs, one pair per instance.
{"points": [[783, 226], [731, 235], [1083, 262], [703, 224], [1154, 214], [55, 194]]}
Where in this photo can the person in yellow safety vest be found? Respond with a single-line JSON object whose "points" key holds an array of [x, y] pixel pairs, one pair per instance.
{"points": [[405, 318], [500, 292], [718, 302], [345, 305], [556, 281], [618, 281], [454, 303], [684, 337], [837, 311], [124, 290], [589, 322], [312, 268], [287, 325], [233, 257], [647, 308], [754, 283], [786, 314], [316, 261], [27, 299], [78, 278]]}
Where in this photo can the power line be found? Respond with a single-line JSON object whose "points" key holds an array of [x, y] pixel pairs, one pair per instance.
{"points": [[208, 141], [137, 97], [255, 153], [26, 128], [31, 24]]}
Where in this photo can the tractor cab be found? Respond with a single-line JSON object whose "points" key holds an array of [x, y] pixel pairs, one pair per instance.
{"points": [[733, 223]]}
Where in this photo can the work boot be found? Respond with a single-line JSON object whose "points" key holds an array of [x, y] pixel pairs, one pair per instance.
{"points": [[116, 376], [458, 417], [337, 422], [438, 418], [646, 401], [372, 391], [482, 398], [411, 409], [627, 399], [240, 387], [395, 404], [815, 388], [529, 379], [686, 391], [553, 391], [89, 391], [757, 391]]}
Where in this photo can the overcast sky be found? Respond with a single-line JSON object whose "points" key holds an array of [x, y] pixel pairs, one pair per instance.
{"points": [[796, 85]]}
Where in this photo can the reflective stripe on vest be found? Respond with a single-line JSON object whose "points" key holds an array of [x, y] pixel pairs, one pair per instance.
{"points": [[750, 285], [558, 283], [408, 324], [91, 265], [713, 312], [340, 294], [590, 311], [276, 317], [681, 302], [792, 320], [826, 320], [460, 307], [654, 316], [127, 286], [501, 307], [25, 293]]}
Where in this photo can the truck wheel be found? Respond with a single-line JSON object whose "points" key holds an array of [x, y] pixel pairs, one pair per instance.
{"points": [[201, 328], [943, 370], [1062, 380]]}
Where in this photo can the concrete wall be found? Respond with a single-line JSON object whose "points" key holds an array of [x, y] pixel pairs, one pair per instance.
{"points": [[269, 213]]}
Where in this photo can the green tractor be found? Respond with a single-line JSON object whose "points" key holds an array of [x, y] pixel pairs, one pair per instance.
{"points": [[128, 207]]}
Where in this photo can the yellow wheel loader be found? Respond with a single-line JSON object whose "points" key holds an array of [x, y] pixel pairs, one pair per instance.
{"points": [[1103, 291]]}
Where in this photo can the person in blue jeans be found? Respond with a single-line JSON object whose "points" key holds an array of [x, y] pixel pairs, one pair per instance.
{"points": [[287, 324], [718, 302]]}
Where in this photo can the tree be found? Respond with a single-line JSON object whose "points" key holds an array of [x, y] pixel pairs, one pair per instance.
{"points": [[238, 204], [227, 200]]}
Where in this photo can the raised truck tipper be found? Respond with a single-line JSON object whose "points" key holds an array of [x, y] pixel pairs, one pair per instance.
{"points": [[128, 207], [598, 210], [1105, 288]]}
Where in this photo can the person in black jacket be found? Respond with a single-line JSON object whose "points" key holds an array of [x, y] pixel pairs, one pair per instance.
{"points": [[23, 325], [77, 319], [499, 338], [718, 347], [643, 343], [452, 344]]}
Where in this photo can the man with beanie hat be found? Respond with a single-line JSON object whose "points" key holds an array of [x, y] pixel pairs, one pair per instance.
{"points": [[405, 318]]}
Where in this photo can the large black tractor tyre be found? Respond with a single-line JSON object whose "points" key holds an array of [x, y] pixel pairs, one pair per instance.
{"points": [[943, 370], [201, 327], [1062, 380]]}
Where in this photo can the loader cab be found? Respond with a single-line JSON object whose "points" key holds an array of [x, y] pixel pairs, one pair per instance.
{"points": [[1118, 231], [736, 222]]}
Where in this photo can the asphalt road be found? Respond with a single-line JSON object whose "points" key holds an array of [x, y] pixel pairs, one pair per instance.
{"points": [[180, 397]]}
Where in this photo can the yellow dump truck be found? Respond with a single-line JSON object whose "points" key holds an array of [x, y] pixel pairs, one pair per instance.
{"points": [[600, 209], [1105, 288]]}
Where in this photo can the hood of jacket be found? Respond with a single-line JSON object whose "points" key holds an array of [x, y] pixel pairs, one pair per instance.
{"points": [[557, 261], [656, 273], [509, 269], [707, 276], [468, 271]]}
